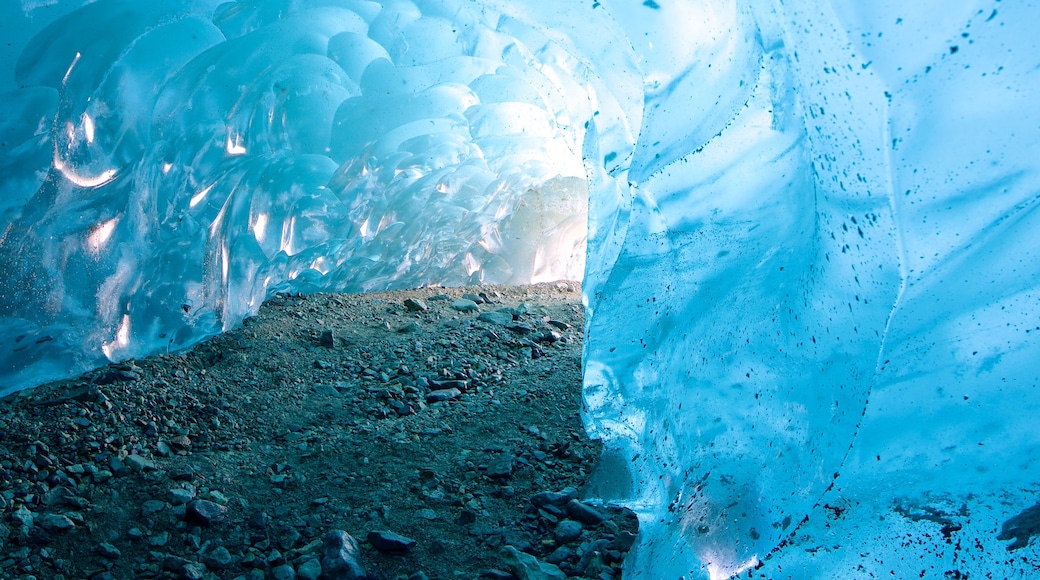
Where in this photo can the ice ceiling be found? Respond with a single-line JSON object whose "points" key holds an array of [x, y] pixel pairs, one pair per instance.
{"points": [[812, 233]]}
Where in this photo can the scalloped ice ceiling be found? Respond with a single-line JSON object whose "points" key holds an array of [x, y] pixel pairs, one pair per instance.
{"points": [[808, 232]]}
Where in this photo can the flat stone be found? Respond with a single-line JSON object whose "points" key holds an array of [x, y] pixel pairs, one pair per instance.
{"points": [[557, 498], [218, 558], [443, 395], [584, 513], [386, 541], [341, 557], [139, 463], [500, 318]]}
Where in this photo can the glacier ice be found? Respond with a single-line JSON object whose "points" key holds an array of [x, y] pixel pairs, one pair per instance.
{"points": [[810, 268]]}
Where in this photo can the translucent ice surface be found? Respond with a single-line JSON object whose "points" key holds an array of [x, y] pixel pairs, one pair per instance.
{"points": [[809, 252]]}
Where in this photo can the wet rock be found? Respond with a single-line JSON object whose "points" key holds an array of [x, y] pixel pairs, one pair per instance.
{"points": [[557, 498], [527, 567], [204, 512], [341, 557], [567, 531], [386, 541], [585, 514]]}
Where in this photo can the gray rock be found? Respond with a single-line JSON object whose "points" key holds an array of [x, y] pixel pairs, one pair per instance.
{"points": [[475, 298], [500, 468], [204, 512], [328, 339], [561, 554], [23, 517], [386, 541], [341, 557], [218, 558], [527, 567], [567, 531], [554, 498], [179, 496], [464, 305], [309, 570], [415, 305], [585, 514], [283, 572], [55, 522], [106, 550]]}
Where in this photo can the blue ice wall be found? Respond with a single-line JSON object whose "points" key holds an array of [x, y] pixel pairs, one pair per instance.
{"points": [[810, 271]]}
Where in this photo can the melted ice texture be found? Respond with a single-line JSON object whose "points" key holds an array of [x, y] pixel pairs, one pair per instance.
{"points": [[812, 233]]}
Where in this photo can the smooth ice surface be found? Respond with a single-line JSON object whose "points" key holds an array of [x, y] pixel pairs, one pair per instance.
{"points": [[811, 266]]}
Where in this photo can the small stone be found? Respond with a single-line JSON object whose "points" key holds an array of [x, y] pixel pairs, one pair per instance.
{"points": [[139, 463], [218, 558], [341, 557], [152, 506], [443, 395], [55, 522], [181, 442], [500, 468], [464, 305], [106, 550], [567, 531], [328, 339], [560, 555], [309, 570], [543, 498], [179, 496], [427, 514], [475, 298], [102, 475], [205, 512], [386, 541], [415, 305], [584, 513]]}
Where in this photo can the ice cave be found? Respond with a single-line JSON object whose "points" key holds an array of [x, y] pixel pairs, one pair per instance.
{"points": [[807, 231]]}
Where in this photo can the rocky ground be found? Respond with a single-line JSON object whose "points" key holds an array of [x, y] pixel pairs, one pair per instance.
{"points": [[417, 434]]}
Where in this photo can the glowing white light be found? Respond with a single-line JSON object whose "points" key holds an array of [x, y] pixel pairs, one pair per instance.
{"points": [[200, 196], [68, 72], [234, 145], [88, 127], [471, 264], [121, 341], [259, 227], [167, 167], [82, 180], [100, 234]]}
